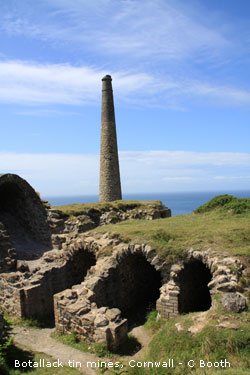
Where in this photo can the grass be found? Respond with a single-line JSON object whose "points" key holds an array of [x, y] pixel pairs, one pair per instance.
{"points": [[152, 323], [83, 208], [172, 237], [210, 344]]}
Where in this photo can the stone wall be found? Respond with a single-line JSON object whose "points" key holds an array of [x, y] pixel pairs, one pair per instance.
{"points": [[223, 278], [111, 287], [99, 307], [23, 221], [91, 218], [29, 291], [96, 308]]}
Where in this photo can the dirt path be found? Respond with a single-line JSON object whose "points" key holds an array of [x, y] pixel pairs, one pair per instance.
{"points": [[39, 340], [144, 338]]}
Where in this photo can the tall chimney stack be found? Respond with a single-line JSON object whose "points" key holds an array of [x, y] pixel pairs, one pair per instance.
{"points": [[110, 184]]}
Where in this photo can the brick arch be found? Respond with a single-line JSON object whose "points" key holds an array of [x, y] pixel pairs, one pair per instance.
{"points": [[23, 214], [189, 287]]}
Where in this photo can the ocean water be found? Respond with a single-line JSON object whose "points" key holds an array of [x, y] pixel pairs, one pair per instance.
{"points": [[179, 203]]}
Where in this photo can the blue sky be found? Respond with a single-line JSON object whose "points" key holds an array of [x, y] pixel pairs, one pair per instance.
{"points": [[181, 86]]}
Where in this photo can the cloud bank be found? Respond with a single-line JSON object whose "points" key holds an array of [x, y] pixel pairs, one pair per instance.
{"points": [[144, 171]]}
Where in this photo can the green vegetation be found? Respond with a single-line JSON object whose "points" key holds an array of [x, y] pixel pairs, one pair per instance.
{"points": [[211, 344], [228, 203], [83, 208], [5, 344], [152, 323], [172, 237]]}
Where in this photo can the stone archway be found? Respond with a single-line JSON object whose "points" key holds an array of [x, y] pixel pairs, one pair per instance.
{"points": [[193, 283], [37, 300], [133, 287], [23, 216]]}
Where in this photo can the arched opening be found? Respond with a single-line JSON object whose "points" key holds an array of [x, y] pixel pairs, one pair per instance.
{"points": [[23, 216], [37, 301], [133, 287], [194, 293]]}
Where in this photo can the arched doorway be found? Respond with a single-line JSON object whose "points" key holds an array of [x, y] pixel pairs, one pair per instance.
{"points": [[194, 292], [133, 287]]}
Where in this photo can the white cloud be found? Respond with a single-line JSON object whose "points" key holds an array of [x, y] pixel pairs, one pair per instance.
{"points": [[158, 29], [145, 171], [176, 159], [31, 83]]}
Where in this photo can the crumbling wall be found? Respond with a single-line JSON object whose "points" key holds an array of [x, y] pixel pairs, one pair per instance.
{"points": [[23, 221], [29, 292], [218, 277], [91, 218], [95, 309]]}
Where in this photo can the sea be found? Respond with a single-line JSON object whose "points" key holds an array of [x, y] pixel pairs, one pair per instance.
{"points": [[179, 203]]}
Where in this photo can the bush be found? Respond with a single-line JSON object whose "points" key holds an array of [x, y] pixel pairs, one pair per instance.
{"points": [[5, 342], [226, 203]]}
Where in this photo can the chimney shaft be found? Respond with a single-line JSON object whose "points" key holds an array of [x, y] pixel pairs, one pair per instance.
{"points": [[110, 184]]}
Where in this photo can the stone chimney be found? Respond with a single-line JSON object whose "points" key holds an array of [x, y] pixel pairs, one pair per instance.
{"points": [[110, 184]]}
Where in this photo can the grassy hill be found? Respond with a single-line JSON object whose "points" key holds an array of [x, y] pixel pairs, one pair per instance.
{"points": [[219, 224]]}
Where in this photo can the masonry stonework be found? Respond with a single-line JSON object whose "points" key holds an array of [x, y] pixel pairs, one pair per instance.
{"points": [[97, 308], [92, 282], [110, 184], [24, 229], [223, 280]]}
